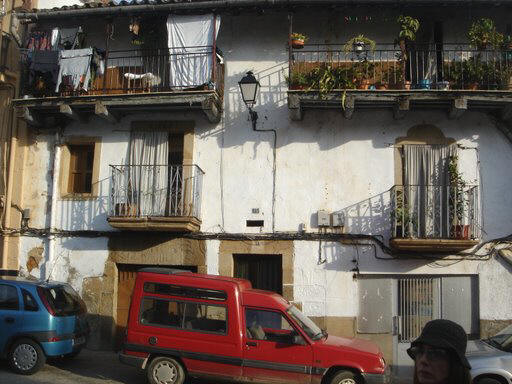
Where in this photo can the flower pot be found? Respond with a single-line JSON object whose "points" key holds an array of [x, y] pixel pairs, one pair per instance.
{"points": [[297, 43], [363, 84], [406, 84], [424, 84], [296, 87], [460, 232], [358, 47], [126, 209], [471, 86], [382, 86]]}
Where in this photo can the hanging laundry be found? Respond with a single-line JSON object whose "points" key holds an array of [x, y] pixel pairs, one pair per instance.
{"points": [[39, 41], [135, 29], [55, 40], [70, 38], [75, 63]]}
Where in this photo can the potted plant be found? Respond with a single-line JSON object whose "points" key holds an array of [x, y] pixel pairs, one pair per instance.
{"points": [[405, 223], [407, 33], [358, 44], [483, 34], [297, 40], [458, 204], [363, 72], [298, 79]]}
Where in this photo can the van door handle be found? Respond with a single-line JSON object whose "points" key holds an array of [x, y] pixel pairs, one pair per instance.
{"points": [[9, 320], [251, 344]]}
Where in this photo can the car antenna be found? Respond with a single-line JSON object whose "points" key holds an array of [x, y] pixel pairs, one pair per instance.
{"points": [[53, 266]]}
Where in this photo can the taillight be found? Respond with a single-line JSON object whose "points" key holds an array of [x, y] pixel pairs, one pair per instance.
{"points": [[43, 298], [53, 339]]}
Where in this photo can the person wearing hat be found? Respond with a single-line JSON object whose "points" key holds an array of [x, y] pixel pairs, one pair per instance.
{"points": [[439, 354]]}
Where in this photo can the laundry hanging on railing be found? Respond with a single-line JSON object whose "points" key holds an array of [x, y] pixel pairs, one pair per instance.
{"points": [[75, 63], [190, 43]]}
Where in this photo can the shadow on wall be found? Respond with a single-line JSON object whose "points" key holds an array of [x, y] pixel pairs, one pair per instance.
{"points": [[371, 216], [87, 213]]}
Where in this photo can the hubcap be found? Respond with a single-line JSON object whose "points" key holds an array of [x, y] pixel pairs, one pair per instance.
{"points": [[165, 373], [25, 357], [347, 381]]}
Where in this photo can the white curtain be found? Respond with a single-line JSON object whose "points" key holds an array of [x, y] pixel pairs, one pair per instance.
{"points": [[427, 189], [148, 181], [190, 43]]}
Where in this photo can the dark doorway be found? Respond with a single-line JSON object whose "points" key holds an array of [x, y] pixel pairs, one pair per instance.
{"points": [[263, 271]]}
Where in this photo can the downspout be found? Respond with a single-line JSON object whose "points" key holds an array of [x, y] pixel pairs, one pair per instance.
{"points": [[53, 208], [10, 180]]}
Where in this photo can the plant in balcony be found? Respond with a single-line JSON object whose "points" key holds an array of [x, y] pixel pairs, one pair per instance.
{"points": [[363, 72], [359, 44], [408, 28], [483, 34], [297, 80], [458, 202], [298, 40], [325, 78], [404, 220]]}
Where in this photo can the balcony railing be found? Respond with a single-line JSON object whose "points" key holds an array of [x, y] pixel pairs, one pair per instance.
{"points": [[138, 71], [328, 67], [435, 212], [142, 191]]}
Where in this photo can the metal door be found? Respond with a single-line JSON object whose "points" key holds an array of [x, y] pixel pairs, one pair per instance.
{"points": [[418, 302]]}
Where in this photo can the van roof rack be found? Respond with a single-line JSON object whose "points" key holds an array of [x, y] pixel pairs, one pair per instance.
{"points": [[163, 271]]}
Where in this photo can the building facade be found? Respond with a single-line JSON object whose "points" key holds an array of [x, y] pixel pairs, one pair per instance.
{"points": [[371, 190]]}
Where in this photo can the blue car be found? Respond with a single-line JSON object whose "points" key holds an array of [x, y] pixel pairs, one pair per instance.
{"points": [[39, 319]]}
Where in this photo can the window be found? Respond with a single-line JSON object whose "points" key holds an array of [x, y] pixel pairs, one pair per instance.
{"points": [[8, 297], [79, 175], [80, 168], [188, 315], [29, 302], [268, 325], [180, 290]]}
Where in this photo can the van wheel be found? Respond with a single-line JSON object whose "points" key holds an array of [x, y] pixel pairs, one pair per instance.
{"points": [[344, 377], [26, 357], [165, 370]]}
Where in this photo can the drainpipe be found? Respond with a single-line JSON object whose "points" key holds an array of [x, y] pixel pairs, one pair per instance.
{"points": [[10, 171], [53, 208]]}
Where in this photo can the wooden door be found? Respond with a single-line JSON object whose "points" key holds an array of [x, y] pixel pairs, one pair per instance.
{"points": [[126, 282]]}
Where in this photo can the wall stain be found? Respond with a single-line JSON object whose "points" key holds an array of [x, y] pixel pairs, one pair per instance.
{"points": [[35, 255]]}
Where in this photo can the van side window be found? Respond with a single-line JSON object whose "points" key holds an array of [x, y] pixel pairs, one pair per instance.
{"points": [[204, 317], [268, 325], [8, 297], [162, 312], [188, 315], [183, 291]]}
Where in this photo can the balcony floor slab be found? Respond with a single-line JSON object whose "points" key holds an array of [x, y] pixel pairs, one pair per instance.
{"points": [[158, 224], [431, 245]]}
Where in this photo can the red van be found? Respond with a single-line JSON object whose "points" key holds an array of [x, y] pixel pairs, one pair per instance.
{"points": [[187, 324]]}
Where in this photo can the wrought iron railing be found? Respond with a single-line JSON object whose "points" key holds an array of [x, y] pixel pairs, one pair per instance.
{"points": [[452, 66], [142, 70], [155, 190], [435, 211]]}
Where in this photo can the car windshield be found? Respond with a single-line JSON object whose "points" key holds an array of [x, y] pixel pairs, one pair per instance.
{"points": [[503, 339], [305, 323]]}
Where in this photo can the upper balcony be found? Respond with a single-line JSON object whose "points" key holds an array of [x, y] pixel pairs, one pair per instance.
{"points": [[121, 82], [156, 197], [452, 77]]}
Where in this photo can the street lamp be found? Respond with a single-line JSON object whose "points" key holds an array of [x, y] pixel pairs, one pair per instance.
{"points": [[249, 88]]}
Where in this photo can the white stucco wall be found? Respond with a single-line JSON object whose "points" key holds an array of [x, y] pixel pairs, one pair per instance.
{"points": [[323, 162]]}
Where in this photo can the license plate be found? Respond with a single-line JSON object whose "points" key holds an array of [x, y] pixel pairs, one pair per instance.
{"points": [[79, 340]]}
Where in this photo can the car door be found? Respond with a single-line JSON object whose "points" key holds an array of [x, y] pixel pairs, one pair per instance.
{"points": [[10, 318], [270, 352]]}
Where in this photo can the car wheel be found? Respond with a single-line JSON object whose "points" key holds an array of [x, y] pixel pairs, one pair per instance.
{"points": [[344, 377], [26, 357], [487, 380], [165, 370]]}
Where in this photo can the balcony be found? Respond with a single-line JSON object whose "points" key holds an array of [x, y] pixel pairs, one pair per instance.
{"points": [[454, 78], [434, 218], [132, 81], [156, 197]]}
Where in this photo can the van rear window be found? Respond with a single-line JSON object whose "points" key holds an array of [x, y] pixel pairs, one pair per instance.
{"points": [[185, 315], [184, 291]]}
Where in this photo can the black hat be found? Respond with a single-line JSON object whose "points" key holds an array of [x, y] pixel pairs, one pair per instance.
{"points": [[446, 334]]}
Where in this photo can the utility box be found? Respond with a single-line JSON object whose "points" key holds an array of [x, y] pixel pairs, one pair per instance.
{"points": [[323, 218], [338, 219]]}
